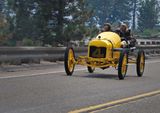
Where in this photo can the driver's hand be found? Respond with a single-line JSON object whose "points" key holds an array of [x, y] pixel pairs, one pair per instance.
{"points": [[124, 44]]}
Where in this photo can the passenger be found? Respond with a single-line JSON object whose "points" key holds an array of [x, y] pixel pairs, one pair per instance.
{"points": [[106, 27], [124, 32], [126, 36]]}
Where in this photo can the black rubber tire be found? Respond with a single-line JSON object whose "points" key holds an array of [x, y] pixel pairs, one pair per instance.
{"points": [[138, 63], [90, 69], [120, 74], [68, 72]]}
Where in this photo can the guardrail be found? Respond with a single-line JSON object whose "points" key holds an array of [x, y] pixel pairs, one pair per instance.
{"points": [[148, 42], [150, 50], [20, 55], [35, 54]]}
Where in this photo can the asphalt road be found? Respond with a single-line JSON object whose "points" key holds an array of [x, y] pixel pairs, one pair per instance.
{"points": [[49, 90], [146, 105]]}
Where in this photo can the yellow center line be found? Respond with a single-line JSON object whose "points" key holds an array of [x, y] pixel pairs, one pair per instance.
{"points": [[111, 107], [96, 111], [114, 103]]}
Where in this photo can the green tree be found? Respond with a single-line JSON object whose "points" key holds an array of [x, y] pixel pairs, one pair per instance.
{"points": [[49, 20], [46, 20], [25, 23], [102, 9], [75, 28], [120, 11], [148, 14], [111, 11], [135, 5], [4, 25]]}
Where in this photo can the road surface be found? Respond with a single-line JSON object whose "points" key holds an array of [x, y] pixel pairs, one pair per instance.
{"points": [[49, 90]]}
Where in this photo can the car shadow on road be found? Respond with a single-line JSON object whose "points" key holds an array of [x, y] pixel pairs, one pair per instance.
{"points": [[102, 76], [107, 76], [97, 76]]}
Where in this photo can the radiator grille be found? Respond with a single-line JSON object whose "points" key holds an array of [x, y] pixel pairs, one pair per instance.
{"points": [[97, 52]]}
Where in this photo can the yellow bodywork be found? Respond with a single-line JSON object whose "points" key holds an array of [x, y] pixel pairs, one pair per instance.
{"points": [[109, 40], [98, 58], [113, 37]]}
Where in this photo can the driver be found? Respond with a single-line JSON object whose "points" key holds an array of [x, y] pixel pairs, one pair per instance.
{"points": [[106, 27]]}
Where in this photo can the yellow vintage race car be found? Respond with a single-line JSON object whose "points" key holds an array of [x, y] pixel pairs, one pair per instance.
{"points": [[105, 51]]}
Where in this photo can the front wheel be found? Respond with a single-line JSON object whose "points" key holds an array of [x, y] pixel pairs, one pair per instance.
{"points": [[90, 69], [122, 65], [69, 61], [140, 63]]}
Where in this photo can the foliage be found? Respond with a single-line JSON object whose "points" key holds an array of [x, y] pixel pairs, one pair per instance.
{"points": [[135, 5], [111, 10], [47, 21], [53, 22], [120, 11], [149, 32], [27, 42], [76, 28], [148, 16]]}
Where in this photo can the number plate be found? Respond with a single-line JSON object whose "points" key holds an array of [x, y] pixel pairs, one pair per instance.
{"points": [[97, 52]]}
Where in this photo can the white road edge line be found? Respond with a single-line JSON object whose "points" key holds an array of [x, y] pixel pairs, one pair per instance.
{"points": [[38, 74], [150, 62]]}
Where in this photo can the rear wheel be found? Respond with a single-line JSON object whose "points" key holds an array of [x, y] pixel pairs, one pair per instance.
{"points": [[123, 65], [140, 63], [69, 61], [90, 69]]}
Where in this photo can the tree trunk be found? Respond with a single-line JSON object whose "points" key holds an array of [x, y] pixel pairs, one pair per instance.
{"points": [[134, 15], [60, 20]]}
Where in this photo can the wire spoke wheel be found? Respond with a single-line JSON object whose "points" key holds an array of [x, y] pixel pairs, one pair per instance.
{"points": [[140, 63], [123, 65], [69, 61]]}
